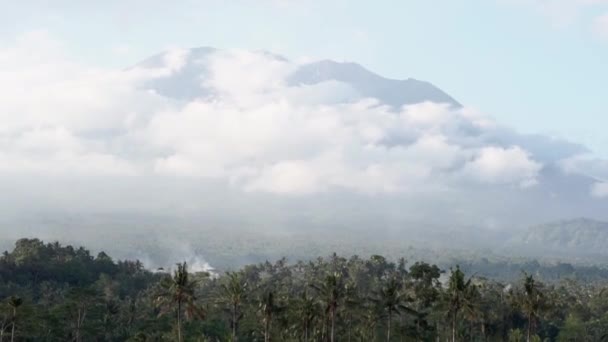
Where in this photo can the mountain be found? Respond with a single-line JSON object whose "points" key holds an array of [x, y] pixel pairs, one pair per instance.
{"points": [[239, 156], [186, 83], [579, 237], [498, 201], [392, 92]]}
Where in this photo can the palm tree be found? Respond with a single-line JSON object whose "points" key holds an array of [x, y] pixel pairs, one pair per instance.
{"points": [[306, 311], [459, 297], [331, 292], [178, 292], [234, 291], [515, 335], [6, 322], [426, 289], [111, 310], [531, 301], [268, 308], [471, 310], [79, 301], [392, 299], [351, 303], [366, 330], [14, 302]]}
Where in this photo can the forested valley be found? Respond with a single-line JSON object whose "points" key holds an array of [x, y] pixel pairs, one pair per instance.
{"points": [[51, 292]]}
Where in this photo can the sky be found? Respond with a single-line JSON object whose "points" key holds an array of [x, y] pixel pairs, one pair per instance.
{"points": [[535, 65]]}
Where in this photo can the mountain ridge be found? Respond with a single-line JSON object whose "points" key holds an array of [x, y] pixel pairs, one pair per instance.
{"points": [[185, 83], [580, 236]]}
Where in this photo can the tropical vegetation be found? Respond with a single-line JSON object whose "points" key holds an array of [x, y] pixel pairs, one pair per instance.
{"points": [[51, 292]]}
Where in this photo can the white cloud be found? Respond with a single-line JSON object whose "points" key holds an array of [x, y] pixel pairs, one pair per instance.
{"points": [[265, 75], [290, 177], [57, 151], [504, 166], [175, 59], [600, 26], [253, 132], [600, 190], [585, 165]]}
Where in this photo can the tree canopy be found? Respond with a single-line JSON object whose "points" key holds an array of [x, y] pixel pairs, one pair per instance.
{"points": [[50, 292]]}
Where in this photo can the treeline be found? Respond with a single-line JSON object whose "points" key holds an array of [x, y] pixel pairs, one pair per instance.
{"points": [[52, 292]]}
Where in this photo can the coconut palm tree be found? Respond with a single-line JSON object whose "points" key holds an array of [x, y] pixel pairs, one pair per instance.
{"points": [[471, 310], [352, 301], [331, 291], [425, 287], [5, 322], [369, 319], [531, 301], [268, 308], [459, 297], [515, 335], [391, 298], [178, 292], [234, 292], [14, 302], [305, 311], [111, 310]]}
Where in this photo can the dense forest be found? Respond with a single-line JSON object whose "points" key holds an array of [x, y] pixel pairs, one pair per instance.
{"points": [[52, 292]]}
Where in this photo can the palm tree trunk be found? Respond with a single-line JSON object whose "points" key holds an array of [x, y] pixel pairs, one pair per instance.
{"points": [[78, 327], [234, 323], [333, 324], [403, 326], [82, 314], [454, 327], [529, 327], [324, 329], [179, 321], [388, 325], [417, 328], [350, 325], [439, 334], [267, 330], [13, 328]]}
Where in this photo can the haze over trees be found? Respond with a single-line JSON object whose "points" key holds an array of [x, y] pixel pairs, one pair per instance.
{"points": [[51, 292]]}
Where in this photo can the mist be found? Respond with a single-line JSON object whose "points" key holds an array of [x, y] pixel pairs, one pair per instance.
{"points": [[193, 147]]}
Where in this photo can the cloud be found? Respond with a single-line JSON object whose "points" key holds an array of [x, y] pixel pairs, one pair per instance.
{"points": [[600, 190], [247, 130], [278, 146], [254, 131], [247, 146], [175, 59], [585, 164], [57, 151], [600, 26], [504, 166]]}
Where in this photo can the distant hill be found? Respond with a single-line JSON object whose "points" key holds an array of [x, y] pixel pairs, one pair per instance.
{"points": [[579, 237]]}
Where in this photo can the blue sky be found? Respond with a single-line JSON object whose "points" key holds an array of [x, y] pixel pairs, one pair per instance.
{"points": [[538, 66]]}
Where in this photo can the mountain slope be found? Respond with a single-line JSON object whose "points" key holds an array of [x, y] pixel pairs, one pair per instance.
{"points": [[581, 236], [187, 82], [392, 92]]}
